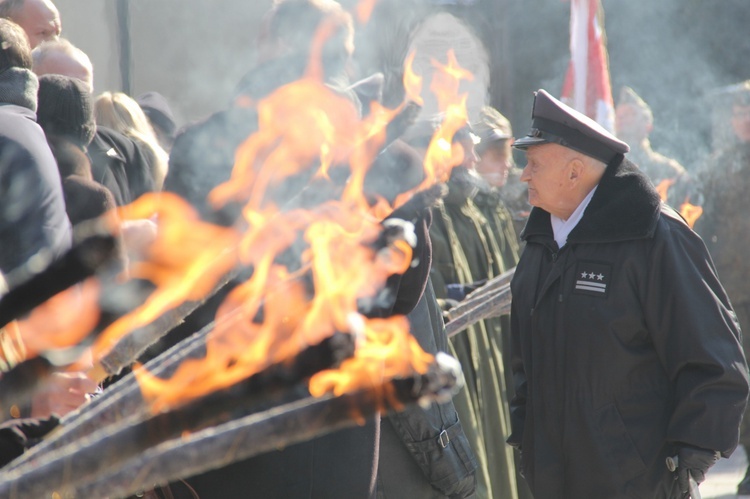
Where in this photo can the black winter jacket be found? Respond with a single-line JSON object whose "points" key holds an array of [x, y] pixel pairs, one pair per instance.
{"points": [[624, 346], [32, 207]]}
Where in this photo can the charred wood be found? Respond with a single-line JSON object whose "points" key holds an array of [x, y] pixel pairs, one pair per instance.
{"points": [[127, 350], [275, 428], [110, 446]]}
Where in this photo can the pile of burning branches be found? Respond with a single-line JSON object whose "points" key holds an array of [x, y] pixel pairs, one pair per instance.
{"points": [[302, 346]]}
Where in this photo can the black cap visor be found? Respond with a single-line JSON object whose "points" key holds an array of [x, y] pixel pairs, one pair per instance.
{"points": [[535, 137]]}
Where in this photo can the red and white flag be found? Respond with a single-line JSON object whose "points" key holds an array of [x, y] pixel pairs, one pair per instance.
{"points": [[587, 86]]}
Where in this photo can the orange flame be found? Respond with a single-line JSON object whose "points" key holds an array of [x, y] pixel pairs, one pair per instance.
{"points": [[296, 124], [442, 154], [691, 213], [237, 348], [364, 10], [412, 81], [370, 136], [186, 261], [663, 188], [309, 268], [62, 321], [446, 82], [301, 124], [380, 358], [342, 269]]}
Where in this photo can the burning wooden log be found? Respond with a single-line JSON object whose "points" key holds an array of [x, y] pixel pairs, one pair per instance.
{"points": [[243, 438], [127, 350], [109, 447]]}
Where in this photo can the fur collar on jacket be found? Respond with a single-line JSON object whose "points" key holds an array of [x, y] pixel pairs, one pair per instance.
{"points": [[625, 206]]}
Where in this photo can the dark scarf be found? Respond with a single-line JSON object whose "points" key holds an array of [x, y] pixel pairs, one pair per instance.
{"points": [[19, 86], [625, 206]]}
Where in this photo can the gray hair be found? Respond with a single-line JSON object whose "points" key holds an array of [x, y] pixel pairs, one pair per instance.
{"points": [[62, 46]]}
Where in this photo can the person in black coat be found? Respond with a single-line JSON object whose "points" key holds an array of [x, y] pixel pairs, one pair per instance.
{"points": [[117, 162], [625, 347], [32, 218], [65, 114]]}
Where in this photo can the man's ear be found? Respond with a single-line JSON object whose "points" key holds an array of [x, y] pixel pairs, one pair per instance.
{"points": [[575, 170]]}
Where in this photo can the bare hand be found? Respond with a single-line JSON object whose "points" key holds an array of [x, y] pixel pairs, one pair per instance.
{"points": [[62, 393]]}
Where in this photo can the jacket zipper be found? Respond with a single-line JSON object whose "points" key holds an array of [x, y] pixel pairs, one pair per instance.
{"points": [[555, 254]]}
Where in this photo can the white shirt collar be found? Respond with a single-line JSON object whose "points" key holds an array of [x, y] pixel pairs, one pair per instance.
{"points": [[561, 228]]}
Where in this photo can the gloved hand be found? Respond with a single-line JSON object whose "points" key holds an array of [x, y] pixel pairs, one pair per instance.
{"points": [[17, 435], [695, 462], [456, 292], [459, 291]]}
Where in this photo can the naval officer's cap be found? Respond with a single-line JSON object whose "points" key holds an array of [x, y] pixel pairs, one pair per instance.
{"points": [[554, 122]]}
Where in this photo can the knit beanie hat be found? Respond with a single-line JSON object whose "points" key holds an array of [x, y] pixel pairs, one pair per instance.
{"points": [[65, 108]]}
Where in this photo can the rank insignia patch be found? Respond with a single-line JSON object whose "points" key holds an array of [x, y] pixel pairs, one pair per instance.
{"points": [[592, 278]]}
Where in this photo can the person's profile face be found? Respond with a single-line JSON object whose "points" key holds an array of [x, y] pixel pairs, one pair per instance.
{"points": [[741, 122], [546, 175], [495, 164]]}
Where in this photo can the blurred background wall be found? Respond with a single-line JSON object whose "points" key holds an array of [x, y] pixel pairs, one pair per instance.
{"points": [[191, 51], [674, 53]]}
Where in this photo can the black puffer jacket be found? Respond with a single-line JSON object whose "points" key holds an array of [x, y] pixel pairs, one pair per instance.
{"points": [[624, 346]]}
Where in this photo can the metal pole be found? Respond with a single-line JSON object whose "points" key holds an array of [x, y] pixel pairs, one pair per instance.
{"points": [[123, 35]]}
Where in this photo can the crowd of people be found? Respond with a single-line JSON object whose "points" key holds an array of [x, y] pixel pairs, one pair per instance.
{"points": [[623, 347]]}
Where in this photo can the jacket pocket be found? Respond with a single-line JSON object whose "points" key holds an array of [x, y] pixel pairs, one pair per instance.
{"points": [[624, 461], [445, 456]]}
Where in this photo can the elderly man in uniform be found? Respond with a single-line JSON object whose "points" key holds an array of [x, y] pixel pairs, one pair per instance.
{"points": [[626, 351]]}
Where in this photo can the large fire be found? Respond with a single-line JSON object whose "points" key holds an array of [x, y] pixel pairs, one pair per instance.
{"points": [[309, 266]]}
